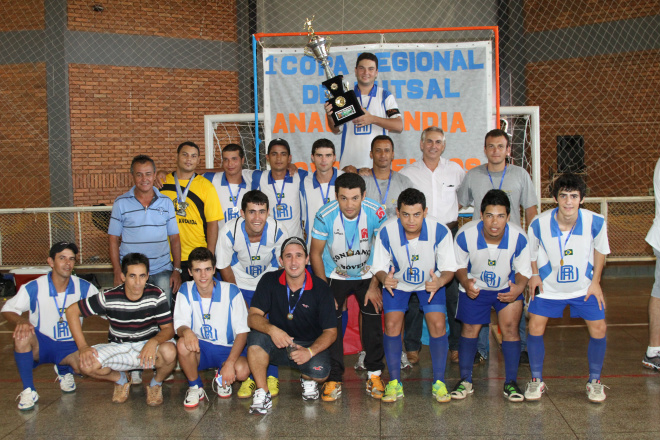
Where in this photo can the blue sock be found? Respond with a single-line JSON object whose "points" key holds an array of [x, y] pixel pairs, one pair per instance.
{"points": [[439, 348], [596, 357], [272, 370], [511, 351], [536, 352], [64, 369], [153, 382], [344, 322], [122, 378], [197, 382], [24, 362], [467, 348], [393, 347]]}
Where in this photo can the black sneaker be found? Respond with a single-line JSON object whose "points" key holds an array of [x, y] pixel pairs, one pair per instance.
{"points": [[524, 358], [478, 358], [651, 362], [512, 392]]}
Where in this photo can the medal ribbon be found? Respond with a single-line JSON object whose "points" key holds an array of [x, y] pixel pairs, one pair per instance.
{"points": [[279, 197], [248, 243], [357, 230], [231, 195], [325, 198], [491, 178], [359, 95], [288, 292], [409, 260], [561, 250], [201, 309], [387, 191], [182, 196], [66, 293]]}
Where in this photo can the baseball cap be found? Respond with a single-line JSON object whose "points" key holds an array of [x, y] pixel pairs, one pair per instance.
{"points": [[278, 141], [294, 240], [60, 246]]}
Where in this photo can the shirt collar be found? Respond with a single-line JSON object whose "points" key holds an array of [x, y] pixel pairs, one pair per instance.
{"points": [[224, 182], [287, 177], [264, 234], [215, 296], [554, 226], [308, 279], [372, 92], [423, 235], [481, 241], [70, 289], [316, 183]]}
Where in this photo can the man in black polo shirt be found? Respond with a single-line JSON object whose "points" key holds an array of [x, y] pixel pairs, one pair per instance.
{"points": [[300, 326]]}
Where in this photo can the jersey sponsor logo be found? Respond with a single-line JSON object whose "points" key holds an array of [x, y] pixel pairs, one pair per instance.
{"points": [[364, 233], [380, 213], [187, 221], [338, 257], [339, 232], [568, 252], [490, 278], [282, 211], [567, 274], [412, 276], [254, 271], [362, 130], [318, 368], [352, 267], [492, 262]]}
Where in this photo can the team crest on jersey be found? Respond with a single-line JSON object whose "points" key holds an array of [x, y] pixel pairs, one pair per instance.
{"points": [[490, 278], [364, 233], [413, 275], [568, 252], [492, 262], [282, 211], [380, 213], [567, 274]]}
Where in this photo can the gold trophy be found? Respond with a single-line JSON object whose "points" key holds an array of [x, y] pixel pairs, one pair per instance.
{"points": [[345, 105]]}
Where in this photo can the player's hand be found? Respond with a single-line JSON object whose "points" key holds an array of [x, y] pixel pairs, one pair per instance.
{"points": [[292, 169], [117, 279], [175, 282], [87, 355], [148, 354], [363, 120], [595, 290], [364, 172], [280, 338], [390, 282], [433, 285], [301, 355], [191, 341], [376, 298], [328, 109], [228, 373], [471, 289], [159, 181], [349, 169], [23, 330], [511, 295], [534, 282]]}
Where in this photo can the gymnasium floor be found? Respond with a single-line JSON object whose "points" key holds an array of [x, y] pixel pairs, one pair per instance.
{"points": [[632, 408]]}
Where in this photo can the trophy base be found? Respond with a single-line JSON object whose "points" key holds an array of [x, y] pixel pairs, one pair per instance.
{"points": [[345, 108]]}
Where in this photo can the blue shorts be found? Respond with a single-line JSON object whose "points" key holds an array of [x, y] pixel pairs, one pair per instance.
{"points": [[52, 352], [399, 302], [477, 311], [212, 356], [554, 308], [247, 296]]}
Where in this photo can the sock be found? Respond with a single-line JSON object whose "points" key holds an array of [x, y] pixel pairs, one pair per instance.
{"points": [[536, 352], [153, 382], [197, 382], [439, 348], [467, 348], [652, 351], [511, 351], [596, 357], [64, 370], [122, 378], [272, 370], [24, 362], [393, 347], [344, 322]]}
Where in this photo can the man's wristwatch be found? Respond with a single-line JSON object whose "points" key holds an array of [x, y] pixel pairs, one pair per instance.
{"points": [[178, 269]]}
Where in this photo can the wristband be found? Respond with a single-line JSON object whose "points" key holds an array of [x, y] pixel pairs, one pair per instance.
{"points": [[311, 353], [535, 275]]}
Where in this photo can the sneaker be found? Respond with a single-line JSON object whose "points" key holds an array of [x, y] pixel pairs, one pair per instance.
{"points": [[534, 389], [513, 392], [359, 365], [67, 382], [120, 393], [261, 402], [413, 356], [453, 356], [651, 362], [440, 393], [375, 387], [331, 391], [193, 396], [136, 377], [479, 358], [310, 389], [155, 395], [462, 389], [28, 398], [273, 386], [223, 391], [393, 391], [247, 388], [405, 363], [524, 358], [169, 378], [596, 391]]}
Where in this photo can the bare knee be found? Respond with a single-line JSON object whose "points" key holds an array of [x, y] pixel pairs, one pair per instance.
{"points": [[597, 329], [242, 369], [167, 352]]}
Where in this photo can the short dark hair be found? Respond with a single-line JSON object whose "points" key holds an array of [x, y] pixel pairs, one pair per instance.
{"points": [[278, 141], [255, 196], [496, 197], [410, 197], [234, 147], [142, 159], [569, 182], [60, 246], [497, 133], [382, 137], [322, 143], [201, 254], [367, 56], [132, 259], [350, 181], [294, 240], [187, 144]]}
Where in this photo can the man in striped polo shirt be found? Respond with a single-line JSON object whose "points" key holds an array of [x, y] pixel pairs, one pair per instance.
{"points": [[140, 332]]}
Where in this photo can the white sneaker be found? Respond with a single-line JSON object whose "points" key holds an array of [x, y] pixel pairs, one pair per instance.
{"points": [[28, 398], [261, 402], [224, 391], [67, 382], [359, 365], [534, 389], [596, 391], [310, 389], [136, 377], [193, 396], [169, 378], [405, 363]]}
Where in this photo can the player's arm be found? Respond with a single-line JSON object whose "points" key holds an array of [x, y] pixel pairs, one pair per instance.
{"points": [[228, 275], [87, 354], [530, 213], [395, 125], [331, 123], [257, 321], [228, 370], [13, 311], [468, 283], [114, 259], [175, 248], [594, 287], [534, 281], [190, 339], [374, 295], [515, 289], [211, 235], [148, 354], [316, 258]]}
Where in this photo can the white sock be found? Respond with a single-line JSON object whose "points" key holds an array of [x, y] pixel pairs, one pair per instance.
{"points": [[652, 351], [373, 373]]}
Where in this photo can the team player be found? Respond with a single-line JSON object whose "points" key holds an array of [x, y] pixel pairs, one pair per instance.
{"points": [[414, 254], [568, 246], [342, 239], [44, 337], [381, 115], [139, 335], [210, 318], [248, 248], [284, 189], [493, 260]]}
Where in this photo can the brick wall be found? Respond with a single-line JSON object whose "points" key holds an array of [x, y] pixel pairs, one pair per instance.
{"points": [[119, 112], [21, 15], [542, 15], [165, 18]]}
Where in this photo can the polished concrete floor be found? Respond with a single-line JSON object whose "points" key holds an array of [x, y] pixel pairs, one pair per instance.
{"points": [[631, 410]]}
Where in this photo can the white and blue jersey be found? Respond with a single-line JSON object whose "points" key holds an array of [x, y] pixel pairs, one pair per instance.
{"points": [[47, 306], [414, 259], [218, 319], [347, 254], [492, 266], [249, 261], [316, 195], [285, 198], [230, 195], [547, 244]]}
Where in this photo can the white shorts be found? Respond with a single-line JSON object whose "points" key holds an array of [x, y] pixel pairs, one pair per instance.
{"points": [[121, 357]]}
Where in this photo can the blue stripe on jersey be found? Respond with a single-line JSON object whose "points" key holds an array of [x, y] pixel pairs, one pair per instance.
{"points": [[183, 290], [597, 223], [520, 245], [209, 176], [343, 142], [32, 290], [578, 224], [440, 233], [462, 243], [256, 179], [545, 270], [590, 271]]}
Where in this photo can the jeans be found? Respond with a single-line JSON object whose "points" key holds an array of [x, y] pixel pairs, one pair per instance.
{"points": [[162, 280]]}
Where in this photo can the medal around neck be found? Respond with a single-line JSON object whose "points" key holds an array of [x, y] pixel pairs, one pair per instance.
{"points": [[345, 105]]}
